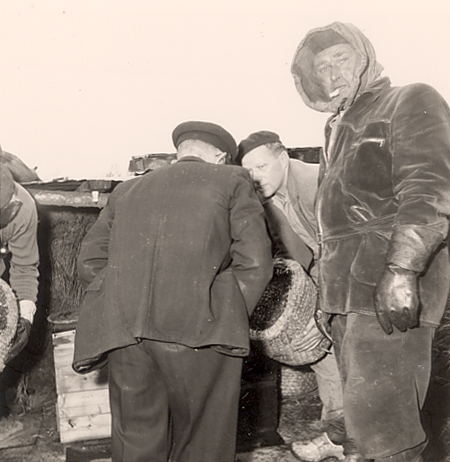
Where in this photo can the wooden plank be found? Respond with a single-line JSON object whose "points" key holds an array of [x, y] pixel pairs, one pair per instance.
{"points": [[93, 410], [83, 403], [66, 383], [69, 384], [85, 428], [88, 398], [65, 370], [69, 198], [63, 355], [94, 427], [63, 359], [87, 421], [63, 338], [67, 380]]}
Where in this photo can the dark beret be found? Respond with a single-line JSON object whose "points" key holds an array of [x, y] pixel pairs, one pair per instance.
{"points": [[205, 131], [254, 141]]}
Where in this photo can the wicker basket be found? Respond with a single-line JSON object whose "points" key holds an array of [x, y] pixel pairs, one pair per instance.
{"points": [[286, 307], [297, 381], [9, 316]]}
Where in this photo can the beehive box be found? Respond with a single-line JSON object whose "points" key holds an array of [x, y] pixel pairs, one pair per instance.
{"points": [[82, 408]]}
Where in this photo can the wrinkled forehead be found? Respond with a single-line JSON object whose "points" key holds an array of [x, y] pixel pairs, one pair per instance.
{"points": [[258, 155], [334, 52]]}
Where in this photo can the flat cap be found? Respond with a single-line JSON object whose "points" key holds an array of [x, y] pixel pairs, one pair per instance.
{"points": [[205, 131], [255, 140], [7, 186]]}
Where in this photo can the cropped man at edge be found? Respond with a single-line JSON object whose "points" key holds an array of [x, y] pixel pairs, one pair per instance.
{"points": [[19, 253]]}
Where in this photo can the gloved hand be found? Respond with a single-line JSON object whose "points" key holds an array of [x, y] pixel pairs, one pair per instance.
{"points": [[396, 299], [20, 339]]}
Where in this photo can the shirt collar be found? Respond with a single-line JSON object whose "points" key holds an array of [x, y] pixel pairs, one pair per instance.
{"points": [[282, 193]]}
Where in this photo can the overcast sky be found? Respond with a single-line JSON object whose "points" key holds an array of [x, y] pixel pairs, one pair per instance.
{"points": [[87, 84]]}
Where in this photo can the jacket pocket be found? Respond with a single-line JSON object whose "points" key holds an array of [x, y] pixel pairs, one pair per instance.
{"points": [[96, 284], [370, 257]]}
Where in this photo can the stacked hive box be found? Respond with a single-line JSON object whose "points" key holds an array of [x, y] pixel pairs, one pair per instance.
{"points": [[83, 411]]}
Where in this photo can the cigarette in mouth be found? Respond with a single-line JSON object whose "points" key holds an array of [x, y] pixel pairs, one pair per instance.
{"points": [[335, 93]]}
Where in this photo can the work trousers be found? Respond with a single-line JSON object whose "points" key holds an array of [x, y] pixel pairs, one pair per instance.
{"points": [[330, 393], [330, 387], [385, 381], [173, 403]]}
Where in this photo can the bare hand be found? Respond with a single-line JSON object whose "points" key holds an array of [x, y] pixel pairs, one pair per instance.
{"points": [[310, 338]]}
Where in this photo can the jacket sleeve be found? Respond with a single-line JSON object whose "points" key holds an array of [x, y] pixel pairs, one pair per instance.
{"points": [[421, 176], [24, 273], [93, 256], [251, 247]]}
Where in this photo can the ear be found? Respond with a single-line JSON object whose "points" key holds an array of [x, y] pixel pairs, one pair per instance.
{"points": [[284, 156], [221, 158]]}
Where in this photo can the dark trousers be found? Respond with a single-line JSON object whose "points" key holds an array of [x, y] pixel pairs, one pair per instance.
{"points": [[385, 381], [173, 403]]}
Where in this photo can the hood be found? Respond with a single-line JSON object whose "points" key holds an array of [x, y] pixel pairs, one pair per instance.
{"points": [[302, 65]]}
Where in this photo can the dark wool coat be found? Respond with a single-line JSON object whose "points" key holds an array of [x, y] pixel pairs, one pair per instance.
{"points": [[179, 255]]}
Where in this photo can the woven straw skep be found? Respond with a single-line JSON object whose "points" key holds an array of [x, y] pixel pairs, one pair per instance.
{"points": [[285, 308], [9, 316], [297, 382]]}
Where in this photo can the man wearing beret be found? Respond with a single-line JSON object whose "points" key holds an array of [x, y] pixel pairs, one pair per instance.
{"points": [[383, 209], [288, 188], [19, 255], [181, 256]]}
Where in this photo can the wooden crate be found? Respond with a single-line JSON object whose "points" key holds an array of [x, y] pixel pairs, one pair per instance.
{"points": [[83, 411]]}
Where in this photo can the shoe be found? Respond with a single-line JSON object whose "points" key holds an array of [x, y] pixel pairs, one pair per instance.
{"points": [[318, 449], [356, 458]]}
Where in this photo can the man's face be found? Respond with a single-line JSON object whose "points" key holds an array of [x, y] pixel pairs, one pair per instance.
{"points": [[336, 70], [268, 170]]}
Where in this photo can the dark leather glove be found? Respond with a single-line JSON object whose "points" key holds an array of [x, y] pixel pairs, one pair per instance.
{"points": [[396, 299], [20, 339]]}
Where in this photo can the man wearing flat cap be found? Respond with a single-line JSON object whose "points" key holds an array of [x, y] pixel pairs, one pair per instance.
{"points": [[288, 188], [173, 268], [383, 208]]}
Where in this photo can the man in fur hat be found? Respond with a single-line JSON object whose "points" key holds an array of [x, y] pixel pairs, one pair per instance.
{"points": [[383, 205]]}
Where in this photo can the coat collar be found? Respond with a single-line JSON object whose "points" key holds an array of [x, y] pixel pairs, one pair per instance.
{"points": [[369, 95], [376, 87], [191, 159]]}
